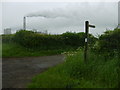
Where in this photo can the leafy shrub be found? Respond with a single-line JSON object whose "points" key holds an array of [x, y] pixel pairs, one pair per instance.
{"points": [[109, 42], [31, 39], [77, 39], [72, 39], [24, 38]]}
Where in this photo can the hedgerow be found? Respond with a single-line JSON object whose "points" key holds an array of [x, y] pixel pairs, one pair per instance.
{"points": [[31, 39]]}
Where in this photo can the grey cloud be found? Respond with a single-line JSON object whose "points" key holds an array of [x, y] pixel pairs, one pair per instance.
{"points": [[100, 13], [72, 16]]}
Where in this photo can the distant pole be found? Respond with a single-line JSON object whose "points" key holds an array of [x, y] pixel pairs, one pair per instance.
{"points": [[24, 23], [86, 40]]}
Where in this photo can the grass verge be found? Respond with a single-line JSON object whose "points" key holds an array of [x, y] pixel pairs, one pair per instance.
{"points": [[16, 50], [73, 73]]}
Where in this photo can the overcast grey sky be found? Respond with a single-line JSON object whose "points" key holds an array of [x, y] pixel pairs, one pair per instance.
{"points": [[60, 17]]}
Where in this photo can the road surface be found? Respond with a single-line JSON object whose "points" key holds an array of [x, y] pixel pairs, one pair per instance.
{"points": [[18, 72]]}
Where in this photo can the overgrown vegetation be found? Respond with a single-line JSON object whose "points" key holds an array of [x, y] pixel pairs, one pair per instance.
{"points": [[101, 71], [28, 43], [108, 43], [34, 40], [74, 73]]}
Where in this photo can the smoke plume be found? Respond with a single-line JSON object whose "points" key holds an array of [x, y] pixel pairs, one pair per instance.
{"points": [[53, 13]]}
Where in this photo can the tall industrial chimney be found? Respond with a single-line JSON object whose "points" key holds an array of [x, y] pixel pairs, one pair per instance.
{"points": [[24, 23]]}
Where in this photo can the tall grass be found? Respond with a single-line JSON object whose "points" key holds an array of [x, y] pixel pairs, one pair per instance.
{"points": [[16, 50], [74, 73]]}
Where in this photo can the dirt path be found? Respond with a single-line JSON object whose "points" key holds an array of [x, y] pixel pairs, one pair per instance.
{"points": [[18, 72]]}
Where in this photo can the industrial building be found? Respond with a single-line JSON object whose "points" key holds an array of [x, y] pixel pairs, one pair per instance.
{"points": [[7, 31]]}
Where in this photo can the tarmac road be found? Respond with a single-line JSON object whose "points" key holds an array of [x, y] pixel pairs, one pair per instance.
{"points": [[18, 72]]}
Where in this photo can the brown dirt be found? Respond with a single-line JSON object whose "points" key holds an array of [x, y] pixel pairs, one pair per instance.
{"points": [[18, 72]]}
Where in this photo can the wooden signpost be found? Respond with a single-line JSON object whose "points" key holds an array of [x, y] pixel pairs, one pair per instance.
{"points": [[87, 25]]}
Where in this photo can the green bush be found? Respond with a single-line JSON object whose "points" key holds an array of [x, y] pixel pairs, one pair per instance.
{"points": [[30, 39], [24, 38], [72, 39], [109, 42], [77, 39]]}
